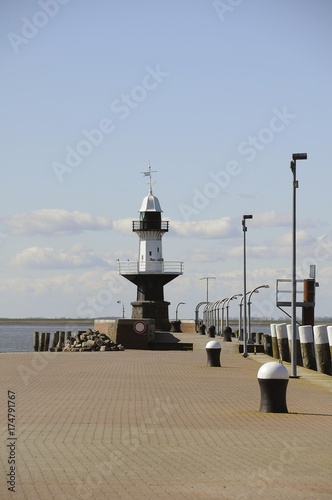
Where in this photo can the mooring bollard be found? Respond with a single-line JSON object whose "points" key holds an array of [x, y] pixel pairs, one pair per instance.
{"points": [[307, 347], [212, 331], [275, 351], [299, 361], [329, 335], [227, 334], [322, 349], [282, 340], [213, 350], [273, 380]]}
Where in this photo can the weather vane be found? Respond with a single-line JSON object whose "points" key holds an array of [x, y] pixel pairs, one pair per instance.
{"points": [[148, 174]]}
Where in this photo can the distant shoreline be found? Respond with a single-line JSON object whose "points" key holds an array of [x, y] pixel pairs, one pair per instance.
{"points": [[87, 321], [33, 321]]}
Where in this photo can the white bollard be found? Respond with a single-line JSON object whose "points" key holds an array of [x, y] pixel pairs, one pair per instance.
{"points": [[273, 379], [213, 350], [322, 349], [329, 335], [307, 347], [275, 351], [282, 340], [299, 361]]}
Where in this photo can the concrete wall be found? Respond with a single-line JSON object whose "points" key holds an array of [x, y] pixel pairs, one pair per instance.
{"points": [[131, 333]]}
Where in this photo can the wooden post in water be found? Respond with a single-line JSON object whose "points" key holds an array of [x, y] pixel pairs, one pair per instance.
{"points": [[42, 341], [36, 341], [47, 341], [55, 339], [61, 340]]}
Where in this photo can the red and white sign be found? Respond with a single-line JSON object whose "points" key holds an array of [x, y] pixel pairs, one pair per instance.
{"points": [[139, 327]]}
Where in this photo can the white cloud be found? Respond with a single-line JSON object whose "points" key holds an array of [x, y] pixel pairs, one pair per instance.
{"points": [[218, 228], [49, 258], [123, 226], [54, 221]]}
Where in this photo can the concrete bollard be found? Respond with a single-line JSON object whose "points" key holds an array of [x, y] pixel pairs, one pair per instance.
{"points": [[213, 350], [329, 335], [275, 351], [273, 380], [307, 347], [282, 340], [322, 349], [299, 360]]}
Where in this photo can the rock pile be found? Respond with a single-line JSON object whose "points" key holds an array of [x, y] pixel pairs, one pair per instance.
{"points": [[91, 340]]}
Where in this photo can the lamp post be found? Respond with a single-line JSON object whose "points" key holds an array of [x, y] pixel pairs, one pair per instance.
{"points": [[295, 157], [227, 305], [222, 311], [207, 286], [123, 311], [255, 290], [245, 338], [176, 310]]}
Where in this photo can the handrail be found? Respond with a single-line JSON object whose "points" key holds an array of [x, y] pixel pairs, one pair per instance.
{"points": [[150, 267]]}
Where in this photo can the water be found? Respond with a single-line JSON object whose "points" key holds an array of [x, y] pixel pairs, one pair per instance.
{"points": [[18, 337]]}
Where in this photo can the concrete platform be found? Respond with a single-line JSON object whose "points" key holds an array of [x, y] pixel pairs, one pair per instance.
{"points": [[145, 424]]}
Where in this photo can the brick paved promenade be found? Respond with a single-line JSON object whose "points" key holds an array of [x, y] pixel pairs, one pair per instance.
{"points": [[161, 425]]}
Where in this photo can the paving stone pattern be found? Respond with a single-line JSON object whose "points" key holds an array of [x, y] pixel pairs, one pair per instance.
{"points": [[161, 424]]}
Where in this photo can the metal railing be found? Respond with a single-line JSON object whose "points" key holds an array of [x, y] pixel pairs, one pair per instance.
{"points": [[284, 293], [150, 267], [142, 225]]}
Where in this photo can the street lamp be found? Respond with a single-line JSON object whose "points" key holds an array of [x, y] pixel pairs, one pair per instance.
{"points": [[245, 338], [207, 286], [227, 305], [295, 157], [249, 297], [123, 311], [222, 311], [176, 310]]}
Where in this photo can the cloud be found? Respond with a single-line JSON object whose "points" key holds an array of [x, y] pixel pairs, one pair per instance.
{"points": [[54, 221], [123, 226], [49, 258], [217, 228], [271, 219]]}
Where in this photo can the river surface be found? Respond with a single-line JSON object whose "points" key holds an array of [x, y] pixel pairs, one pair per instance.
{"points": [[18, 337]]}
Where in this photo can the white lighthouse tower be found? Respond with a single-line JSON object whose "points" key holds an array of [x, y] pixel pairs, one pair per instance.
{"points": [[150, 272]]}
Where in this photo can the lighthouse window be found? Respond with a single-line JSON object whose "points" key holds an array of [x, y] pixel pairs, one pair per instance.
{"points": [[157, 249], [150, 253]]}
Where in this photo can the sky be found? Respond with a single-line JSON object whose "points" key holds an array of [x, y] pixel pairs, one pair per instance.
{"points": [[216, 96]]}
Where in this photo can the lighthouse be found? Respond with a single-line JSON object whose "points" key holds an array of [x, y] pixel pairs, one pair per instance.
{"points": [[150, 273]]}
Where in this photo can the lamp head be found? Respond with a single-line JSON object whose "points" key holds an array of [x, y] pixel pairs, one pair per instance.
{"points": [[299, 156]]}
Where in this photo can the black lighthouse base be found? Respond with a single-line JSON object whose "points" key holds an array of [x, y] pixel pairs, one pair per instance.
{"points": [[154, 309]]}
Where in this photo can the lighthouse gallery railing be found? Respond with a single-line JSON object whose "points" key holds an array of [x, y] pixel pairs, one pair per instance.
{"points": [[151, 267]]}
